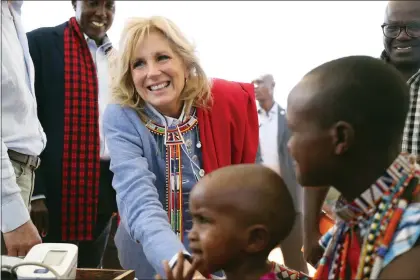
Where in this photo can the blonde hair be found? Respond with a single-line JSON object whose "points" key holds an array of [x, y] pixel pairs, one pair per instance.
{"points": [[197, 90]]}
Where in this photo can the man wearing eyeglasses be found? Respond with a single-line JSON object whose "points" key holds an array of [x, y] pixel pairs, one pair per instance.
{"points": [[401, 30]]}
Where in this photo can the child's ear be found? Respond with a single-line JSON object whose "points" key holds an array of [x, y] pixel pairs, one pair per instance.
{"points": [[258, 239]]}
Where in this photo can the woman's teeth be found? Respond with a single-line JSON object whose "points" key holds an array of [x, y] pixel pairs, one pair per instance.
{"points": [[159, 86], [98, 24]]}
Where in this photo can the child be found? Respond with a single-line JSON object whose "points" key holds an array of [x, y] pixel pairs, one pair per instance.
{"points": [[347, 119], [240, 213]]}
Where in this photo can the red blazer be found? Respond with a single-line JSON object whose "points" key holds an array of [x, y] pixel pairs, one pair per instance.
{"points": [[229, 130]]}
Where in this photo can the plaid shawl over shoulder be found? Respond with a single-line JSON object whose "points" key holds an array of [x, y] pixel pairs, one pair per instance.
{"points": [[81, 162]]}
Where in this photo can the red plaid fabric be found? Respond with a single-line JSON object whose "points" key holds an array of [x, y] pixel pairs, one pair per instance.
{"points": [[81, 162]]}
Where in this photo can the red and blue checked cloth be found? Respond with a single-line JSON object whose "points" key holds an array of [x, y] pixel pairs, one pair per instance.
{"points": [[81, 162]]}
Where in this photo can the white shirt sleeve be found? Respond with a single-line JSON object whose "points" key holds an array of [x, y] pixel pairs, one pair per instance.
{"points": [[14, 212], [174, 259]]}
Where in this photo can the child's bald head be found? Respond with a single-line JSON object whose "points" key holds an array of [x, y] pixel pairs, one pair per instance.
{"points": [[253, 197]]}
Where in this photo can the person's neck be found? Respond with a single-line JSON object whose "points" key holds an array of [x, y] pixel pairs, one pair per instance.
{"points": [[251, 269], [173, 111], [408, 70], [362, 176], [98, 42], [267, 104]]}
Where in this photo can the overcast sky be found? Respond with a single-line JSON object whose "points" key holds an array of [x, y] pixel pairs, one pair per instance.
{"points": [[241, 40]]}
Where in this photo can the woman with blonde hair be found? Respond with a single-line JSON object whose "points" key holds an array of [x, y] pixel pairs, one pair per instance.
{"points": [[169, 125]]}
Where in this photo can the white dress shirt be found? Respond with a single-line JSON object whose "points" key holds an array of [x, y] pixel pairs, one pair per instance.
{"points": [[101, 61], [21, 130], [268, 122]]}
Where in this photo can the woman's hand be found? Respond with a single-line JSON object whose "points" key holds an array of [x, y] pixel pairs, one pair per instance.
{"points": [[183, 270]]}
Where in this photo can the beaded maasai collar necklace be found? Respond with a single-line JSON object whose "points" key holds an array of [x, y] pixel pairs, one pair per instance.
{"points": [[364, 204], [375, 214], [173, 141]]}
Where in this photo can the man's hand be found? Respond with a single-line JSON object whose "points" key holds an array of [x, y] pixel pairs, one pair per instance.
{"points": [[183, 270], [21, 240], [39, 215]]}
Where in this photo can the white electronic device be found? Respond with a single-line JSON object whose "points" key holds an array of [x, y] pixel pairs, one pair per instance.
{"points": [[61, 258], [10, 261]]}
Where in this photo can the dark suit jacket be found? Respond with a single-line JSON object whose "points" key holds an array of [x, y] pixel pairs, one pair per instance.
{"points": [[46, 46], [286, 161]]}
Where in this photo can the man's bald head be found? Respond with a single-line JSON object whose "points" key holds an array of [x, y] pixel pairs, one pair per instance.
{"points": [[268, 78], [253, 193], [412, 7]]}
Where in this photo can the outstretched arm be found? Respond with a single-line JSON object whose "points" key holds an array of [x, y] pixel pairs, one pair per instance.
{"points": [[138, 201]]}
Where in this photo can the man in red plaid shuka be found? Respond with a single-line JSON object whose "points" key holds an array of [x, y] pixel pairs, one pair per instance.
{"points": [[73, 196]]}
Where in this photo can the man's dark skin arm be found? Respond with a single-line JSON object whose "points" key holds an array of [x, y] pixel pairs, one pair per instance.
{"points": [[313, 199]]}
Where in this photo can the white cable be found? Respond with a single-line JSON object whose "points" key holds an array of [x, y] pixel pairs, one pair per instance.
{"points": [[6, 267], [53, 271]]}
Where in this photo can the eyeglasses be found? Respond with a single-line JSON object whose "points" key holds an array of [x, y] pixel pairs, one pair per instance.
{"points": [[392, 31]]}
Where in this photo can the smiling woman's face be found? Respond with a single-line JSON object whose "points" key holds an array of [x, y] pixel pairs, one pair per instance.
{"points": [[159, 74]]}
